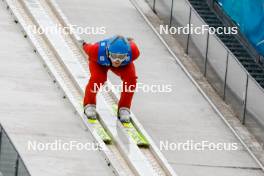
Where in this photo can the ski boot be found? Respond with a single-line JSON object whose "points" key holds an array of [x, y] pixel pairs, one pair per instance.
{"points": [[90, 111], [124, 115]]}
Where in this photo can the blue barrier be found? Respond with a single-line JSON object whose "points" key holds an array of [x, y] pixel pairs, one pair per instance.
{"points": [[249, 16]]}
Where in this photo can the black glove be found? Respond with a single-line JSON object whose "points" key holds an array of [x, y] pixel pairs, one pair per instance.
{"points": [[82, 42]]}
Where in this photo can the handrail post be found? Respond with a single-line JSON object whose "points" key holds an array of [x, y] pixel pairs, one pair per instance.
{"points": [[188, 37], [1, 133], [154, 7], [171, 12], [226, 70], [245, 103], [206, 55], [16, 167]]}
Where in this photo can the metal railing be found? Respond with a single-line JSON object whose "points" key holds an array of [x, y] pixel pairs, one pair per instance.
{"points": [[11, 163], [219, 65]]}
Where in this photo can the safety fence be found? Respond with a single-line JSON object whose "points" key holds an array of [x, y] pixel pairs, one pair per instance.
{"points": [[11, 163], [221, 68]]}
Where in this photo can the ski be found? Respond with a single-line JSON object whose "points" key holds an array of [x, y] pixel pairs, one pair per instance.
{"points": [[97, 126], [132, 131], [100, 130]]}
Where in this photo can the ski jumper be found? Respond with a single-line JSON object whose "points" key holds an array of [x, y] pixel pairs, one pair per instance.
{"points": [[99, 64]]}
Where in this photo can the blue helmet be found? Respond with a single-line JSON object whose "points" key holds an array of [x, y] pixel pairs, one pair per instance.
{"points": [[118, 45], [114, 49]]}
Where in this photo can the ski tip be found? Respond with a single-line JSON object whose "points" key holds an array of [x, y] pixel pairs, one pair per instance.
{"points": [[107, 141], [143, 145]]}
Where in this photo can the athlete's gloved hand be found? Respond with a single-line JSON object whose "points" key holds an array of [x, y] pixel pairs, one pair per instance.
{"points": [[81, 42], [130, 39]]}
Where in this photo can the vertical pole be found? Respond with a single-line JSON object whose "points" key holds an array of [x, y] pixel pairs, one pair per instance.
{"points": [[188, 37], [261, 60], [154, 7], [171, 12], [226, 70], [245, 103], [16, 167], [1, 134], [206, 55], [258, 59]]}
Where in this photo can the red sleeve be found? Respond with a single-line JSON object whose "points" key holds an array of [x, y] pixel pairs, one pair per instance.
{"points": [[134, 50], [91, 50]]}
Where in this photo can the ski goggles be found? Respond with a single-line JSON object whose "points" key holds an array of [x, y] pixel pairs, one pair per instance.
{"points": [[117, 57]]}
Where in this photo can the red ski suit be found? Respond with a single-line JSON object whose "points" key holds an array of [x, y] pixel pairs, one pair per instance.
{"points": [[98, 72]]}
